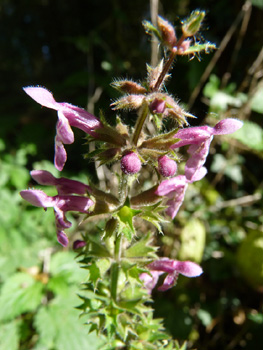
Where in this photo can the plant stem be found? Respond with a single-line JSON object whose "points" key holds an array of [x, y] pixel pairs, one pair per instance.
{"points": [[165, 70], [168, 64], [115, 267]]}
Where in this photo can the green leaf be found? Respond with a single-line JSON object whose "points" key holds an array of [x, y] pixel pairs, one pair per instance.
{"points": [[59, 327], [193, 237], [9, 336], [206, 47], [228, 167], [251, 135], [256, 102], [256, 317], [21, 293], [212, 86], [140, 248], [150, 28], [126, 215], [258, 3]]}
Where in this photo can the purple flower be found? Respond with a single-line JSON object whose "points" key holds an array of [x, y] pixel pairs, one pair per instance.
{"points": [[199, 139], [68, 115], [130, 163], [79, 244], [174, 189], [61, 204], [63, 185], [173, 268]]}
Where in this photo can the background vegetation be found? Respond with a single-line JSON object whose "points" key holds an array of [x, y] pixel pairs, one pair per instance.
{"points": [[76, 49]]}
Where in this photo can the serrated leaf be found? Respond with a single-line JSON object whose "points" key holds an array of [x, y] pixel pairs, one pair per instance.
{"points": [[206, 47], [140, 248], [126, 215], [59, 327], [21, 293], [94, 273]]}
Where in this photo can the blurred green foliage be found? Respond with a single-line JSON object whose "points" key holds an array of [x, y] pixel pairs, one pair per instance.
{"points": [[74, 49]]}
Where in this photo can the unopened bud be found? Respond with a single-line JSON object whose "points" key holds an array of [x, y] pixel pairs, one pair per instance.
{"points": [[167, 32], [128, 102], [166, 166], [128, 86], [157, 106], [79, 244], [130, 163], [193, 23]]}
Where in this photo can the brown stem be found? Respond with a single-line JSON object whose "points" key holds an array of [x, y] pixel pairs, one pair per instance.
{"points": [[165, 70], [168, 64]]}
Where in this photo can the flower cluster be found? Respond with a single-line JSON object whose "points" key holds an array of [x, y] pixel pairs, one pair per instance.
{"points": [[122, 263], [133, 148]]}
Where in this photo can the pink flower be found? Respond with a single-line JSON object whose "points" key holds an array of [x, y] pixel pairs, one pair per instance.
{"points": [[173, 268], [199, 139], [68, 115], [63, 185], [174, 189], [130, 163], [61, 204]]}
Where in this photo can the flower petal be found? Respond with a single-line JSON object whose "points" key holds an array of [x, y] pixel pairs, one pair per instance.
{"points": [[175, 203], [42, 96], [196, 161], [150, 281], [163, 265], [60, 155], [171, 185], [74, 203], [62, 238], [80, 118], [192, 136], [169, 281], [64, 131], [188, 268], [43, 177], [227, 126], [37, 198]]}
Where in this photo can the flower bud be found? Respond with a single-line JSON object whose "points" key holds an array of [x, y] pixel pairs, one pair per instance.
{"points": [[128, 102], [167, 32], [130, 163], [128, 86], [193, 23], [166, 166], [157, 106], [79, 244]]}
